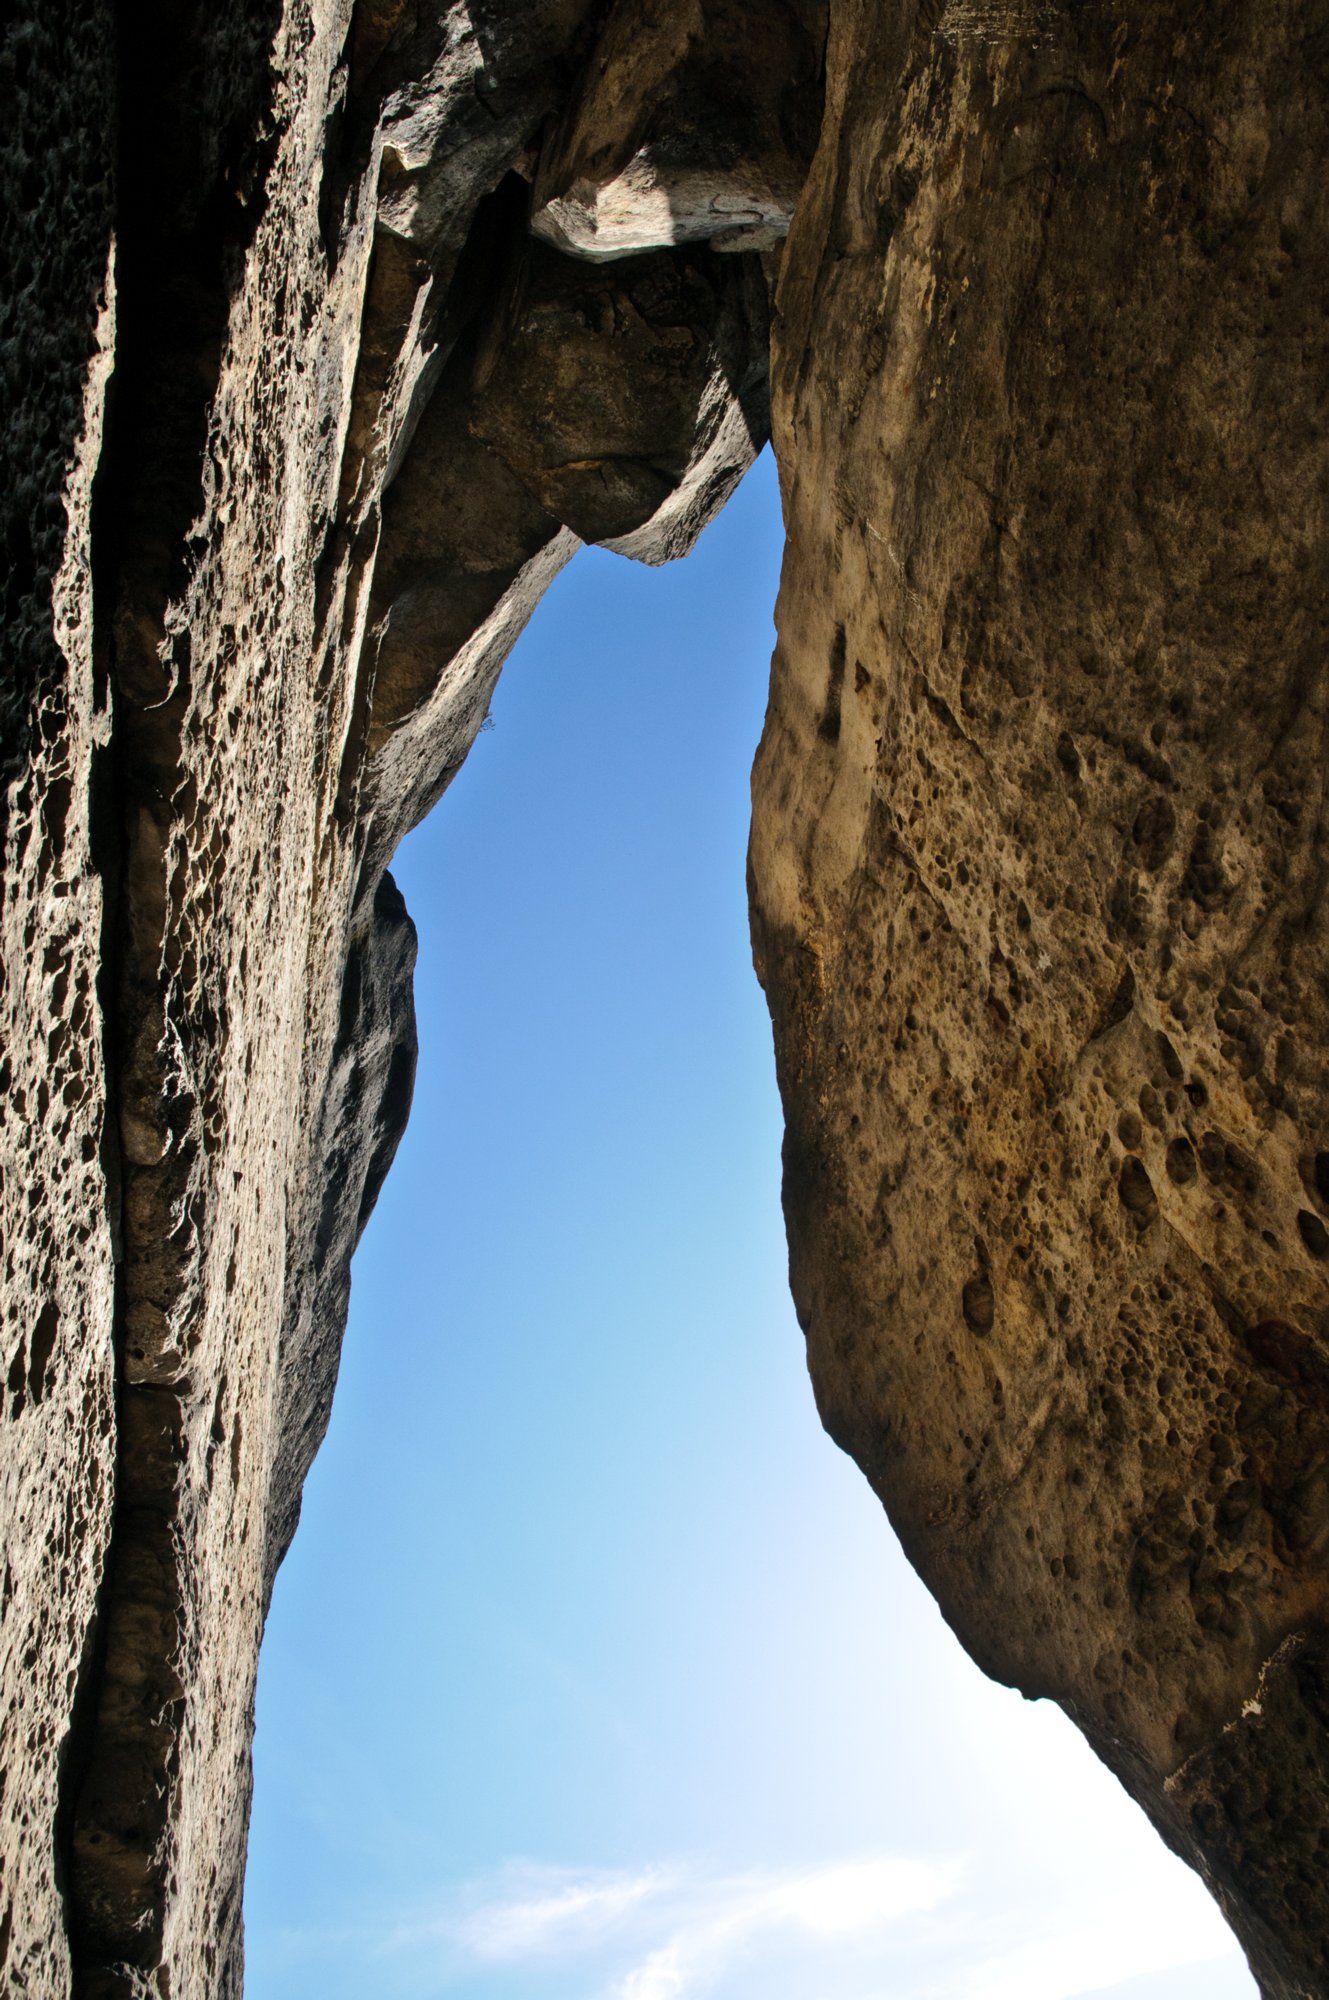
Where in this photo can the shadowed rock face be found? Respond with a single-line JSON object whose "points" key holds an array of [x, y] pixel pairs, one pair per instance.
{"points": [[1037, 858], [358, 419]]}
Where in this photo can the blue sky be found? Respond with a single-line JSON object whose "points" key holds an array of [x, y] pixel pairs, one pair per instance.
{"points": [[595, 1672]]}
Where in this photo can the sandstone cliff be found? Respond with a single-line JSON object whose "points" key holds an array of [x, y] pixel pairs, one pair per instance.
{"points": [[330, 331], [1039, 877]]}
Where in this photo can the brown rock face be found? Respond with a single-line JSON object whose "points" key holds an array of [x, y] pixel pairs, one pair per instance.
{"points": [[1038, 867], [305, 402]]}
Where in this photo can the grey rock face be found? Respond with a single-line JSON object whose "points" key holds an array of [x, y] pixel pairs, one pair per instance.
{"points": [[305, 403], [241, 667], [57, 1432]]}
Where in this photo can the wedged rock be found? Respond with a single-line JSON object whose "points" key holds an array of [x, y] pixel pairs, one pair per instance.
{"points": [[629, 399], [695, 123], [1039, 866]]}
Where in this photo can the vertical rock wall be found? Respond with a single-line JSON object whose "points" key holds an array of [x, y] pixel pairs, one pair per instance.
{"points": [[356, 421], [1038, 866]]}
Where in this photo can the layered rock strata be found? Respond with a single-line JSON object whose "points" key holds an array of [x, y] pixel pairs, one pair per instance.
{"points": [[331, 332]]}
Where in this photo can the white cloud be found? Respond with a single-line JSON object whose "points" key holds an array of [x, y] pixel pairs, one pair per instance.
{"points": [[664, 1976], [530, 1912], [569, 1914], [667, 1933], [719, 1920], [918, 1930]]}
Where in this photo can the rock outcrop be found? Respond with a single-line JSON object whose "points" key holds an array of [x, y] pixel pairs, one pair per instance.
{"points": [[256, 606], [1039, 870], [330, 332]]}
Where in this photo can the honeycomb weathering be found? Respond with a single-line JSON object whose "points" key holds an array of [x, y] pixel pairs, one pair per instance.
{"points": [[329, 332]]}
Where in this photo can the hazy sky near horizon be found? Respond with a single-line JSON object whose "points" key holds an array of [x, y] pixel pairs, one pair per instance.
{"points": [[595, 1672]]}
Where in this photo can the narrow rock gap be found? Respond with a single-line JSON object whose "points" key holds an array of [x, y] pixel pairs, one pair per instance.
{"points": [[435, 1711]]}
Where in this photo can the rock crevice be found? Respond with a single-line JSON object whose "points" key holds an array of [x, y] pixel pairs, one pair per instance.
{"points": [[332, 331]]}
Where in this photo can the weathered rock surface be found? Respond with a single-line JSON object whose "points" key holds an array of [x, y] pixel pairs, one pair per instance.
{"points": [[305, 403], [57, 1161], [1039, 870], [358, 419]]}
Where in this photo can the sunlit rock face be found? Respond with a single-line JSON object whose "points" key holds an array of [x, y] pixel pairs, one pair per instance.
{"points": [[1039, 867], [331, 331]]}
